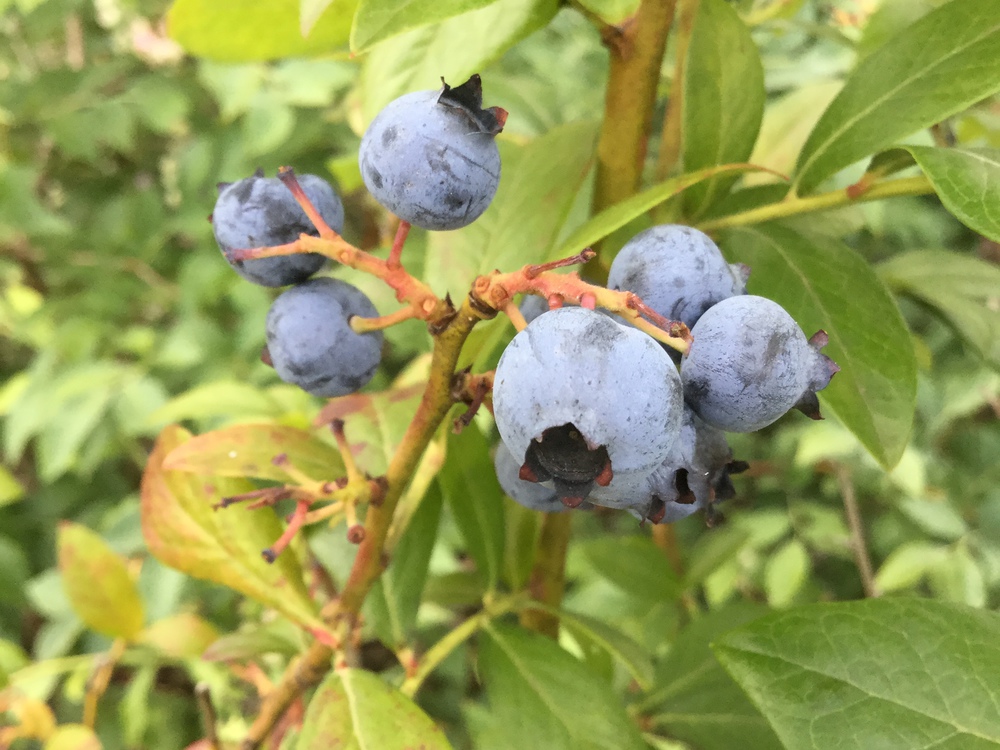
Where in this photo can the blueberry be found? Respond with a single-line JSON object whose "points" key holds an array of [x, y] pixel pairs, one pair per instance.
{"points": [[311, 343], [260, 212], [676, 270], [586, 402], [750, 363], [693, 476], [430, 157]]}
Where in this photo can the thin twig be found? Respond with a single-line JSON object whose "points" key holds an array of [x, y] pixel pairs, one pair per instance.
{"points": [[203, 694], [855, 524]]}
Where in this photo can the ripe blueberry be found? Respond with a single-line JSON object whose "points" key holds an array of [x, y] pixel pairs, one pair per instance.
{"points": [[260, 212], [430, 157], [584, 401], [311, 343], [750, 363], [676, 270]]}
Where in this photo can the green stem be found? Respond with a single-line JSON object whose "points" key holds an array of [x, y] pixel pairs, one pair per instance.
{"points": [[548, 576], [919, 185], [456, 637], [633, 77]]}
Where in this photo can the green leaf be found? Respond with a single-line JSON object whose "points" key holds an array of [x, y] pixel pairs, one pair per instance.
{"points": [[537, 188], [943, 63], [355, 710], [634, 564], [547, 698], [10, 489], [723, 99], [228, 398], [966, 180], [310, 12], [614, 218], [377, 20], [696, 701], [959, 287], [611, 11], [470, 487], [826, 285], [874, 673], [632, 656], [785, 573], [454, 49], [713, 550], [245, 30], [907, 565], [522, 527], [183, 531], [98, 583], [248, 450], [395, 598]]}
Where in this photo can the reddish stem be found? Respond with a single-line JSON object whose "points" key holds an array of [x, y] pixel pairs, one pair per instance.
{"points": [[402, 232]]}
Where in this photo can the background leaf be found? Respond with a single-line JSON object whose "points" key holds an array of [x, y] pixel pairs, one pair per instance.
{"points": [[635, 565], [873, 673], [395, 598], [98, 583], [824, 284], [418, 59], [546, 698], [961, 288], [475, 500], [610, 219], [245, 30], [940, 65], [376, 20], [695, 701], [183, 531], [355, 709], [723, 99], [967, 180]]}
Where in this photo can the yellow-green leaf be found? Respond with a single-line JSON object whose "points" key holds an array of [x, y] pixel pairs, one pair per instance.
{"points": [[244, 30], [98, 583], [183, 531]]}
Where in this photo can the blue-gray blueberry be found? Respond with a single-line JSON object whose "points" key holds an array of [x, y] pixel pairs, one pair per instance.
{"points": [[261, 212], [750, 363], [430, 157], [311, 343]]}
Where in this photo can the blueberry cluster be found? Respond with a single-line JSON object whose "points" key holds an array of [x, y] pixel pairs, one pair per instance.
{"points": [[592, 410], [310, 342], [429, 157]]}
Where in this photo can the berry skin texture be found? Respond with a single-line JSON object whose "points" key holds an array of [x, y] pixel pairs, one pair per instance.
{"points": [[311, 343], [430, 162], [750, 363], [676, 270], [260, 212], [585, 401], [531, 495]]}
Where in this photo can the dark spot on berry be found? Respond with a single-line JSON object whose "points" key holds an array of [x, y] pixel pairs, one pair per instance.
{"points": [[388, 136]]}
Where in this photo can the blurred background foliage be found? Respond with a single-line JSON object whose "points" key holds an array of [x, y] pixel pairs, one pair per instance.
{"points": [[118, 317]]}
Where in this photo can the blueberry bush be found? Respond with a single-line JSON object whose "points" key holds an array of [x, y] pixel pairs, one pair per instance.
{"points": [[584, 374]]}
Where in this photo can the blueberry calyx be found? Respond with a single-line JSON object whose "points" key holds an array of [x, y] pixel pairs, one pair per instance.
{"points": [[468, 98]]}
